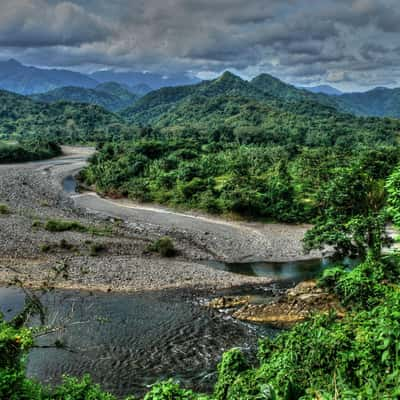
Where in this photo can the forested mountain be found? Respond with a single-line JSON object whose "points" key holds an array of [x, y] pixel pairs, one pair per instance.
{"points": [[21, 118], [158, 102], [162, 92], [226, 100], [110, 95], [265, 110], [18, 78], [380, 102], [324, 89], [140, 89], [277, 88], [115, 89], [21, 79]]}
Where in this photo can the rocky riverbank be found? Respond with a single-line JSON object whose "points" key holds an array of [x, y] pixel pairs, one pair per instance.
{"points": [[111, 252], [289, 307]]}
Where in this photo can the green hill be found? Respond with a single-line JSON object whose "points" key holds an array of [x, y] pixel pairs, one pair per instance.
{"points": [[22, 118], [275, 87], [266, 110], [380, 102], [110, 95], [263, 89]]}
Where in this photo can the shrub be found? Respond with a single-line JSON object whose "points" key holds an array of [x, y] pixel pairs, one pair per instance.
{"points": [[233, 363], [169, 390], [360, 287], [84, 389], [4, 210], [37, 224], [45, 248], [330, 277], [164, 246], [56, 225]]}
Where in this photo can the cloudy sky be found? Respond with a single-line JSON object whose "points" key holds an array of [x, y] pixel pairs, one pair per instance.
{"points": [[351, 44]]}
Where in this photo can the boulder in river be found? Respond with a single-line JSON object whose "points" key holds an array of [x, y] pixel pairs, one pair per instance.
{"points": [[292, 307]]}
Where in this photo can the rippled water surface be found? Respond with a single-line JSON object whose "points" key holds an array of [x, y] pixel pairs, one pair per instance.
{"points": [[126, 342]]}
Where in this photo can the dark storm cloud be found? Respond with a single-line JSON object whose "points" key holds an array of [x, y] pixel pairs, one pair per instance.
{"points": [[343, 41], [35, 23]]}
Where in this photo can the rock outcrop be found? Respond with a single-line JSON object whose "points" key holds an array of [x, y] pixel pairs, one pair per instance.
{"points": [[292, 307]]}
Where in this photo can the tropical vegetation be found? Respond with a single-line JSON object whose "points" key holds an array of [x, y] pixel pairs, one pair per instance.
{"points": [[259, 149], [28, 150]]}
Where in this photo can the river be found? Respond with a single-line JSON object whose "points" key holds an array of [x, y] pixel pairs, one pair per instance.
{"points": [[127, 342]]}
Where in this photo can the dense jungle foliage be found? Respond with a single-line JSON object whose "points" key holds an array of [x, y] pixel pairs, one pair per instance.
{"points": [[30, 150], [24, 119], [260, 150], [232, 171], [355, 356]]}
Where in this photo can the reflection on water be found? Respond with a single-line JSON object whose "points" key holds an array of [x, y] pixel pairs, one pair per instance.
{"points": [[69, 184], [295, 271], [127, 342]]}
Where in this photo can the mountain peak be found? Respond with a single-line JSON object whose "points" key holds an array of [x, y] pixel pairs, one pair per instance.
{"points": [[228, 76], [266, 78], [268, 82], [13, 62]]}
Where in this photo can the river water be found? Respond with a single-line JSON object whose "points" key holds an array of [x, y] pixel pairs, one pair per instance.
{"points": [[127, 342]]}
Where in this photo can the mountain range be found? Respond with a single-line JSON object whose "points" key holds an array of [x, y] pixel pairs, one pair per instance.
{"points": [[325, 89], [264, 109], [200, 101], [18, 78], [379, 102], [21, 79], [133, 93]]}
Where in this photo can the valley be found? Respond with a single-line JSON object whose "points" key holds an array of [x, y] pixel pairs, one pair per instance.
{"points": [[159, 235]]}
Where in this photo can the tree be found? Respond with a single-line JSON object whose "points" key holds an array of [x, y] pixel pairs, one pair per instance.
{"points": [[393, 189], [353, 219]]}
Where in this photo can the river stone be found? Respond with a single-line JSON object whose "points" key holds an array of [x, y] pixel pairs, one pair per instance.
{"points": [[225, 302], [295, 306]]}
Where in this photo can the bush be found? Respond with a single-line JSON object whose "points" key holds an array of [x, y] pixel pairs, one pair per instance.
{"points": [[4, 210], [56, 225], [330, 277], [164, 246], [171, 391], [360, 287], [45, 248], [84, 389], [29, 151], [233, 363]]}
